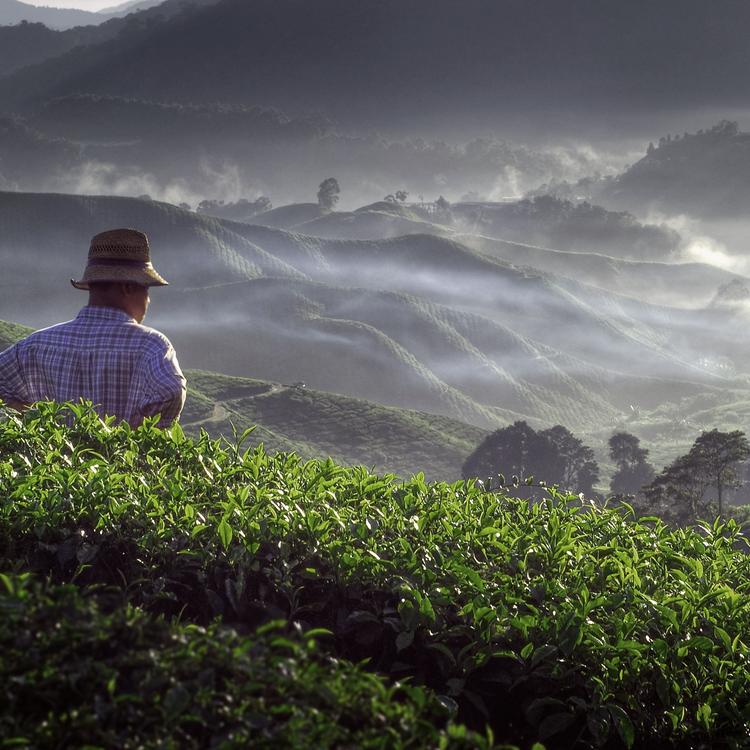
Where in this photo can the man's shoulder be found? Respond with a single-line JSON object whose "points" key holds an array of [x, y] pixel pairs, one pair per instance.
{"points": [[154, 339], [126, 332], [46, 334]]}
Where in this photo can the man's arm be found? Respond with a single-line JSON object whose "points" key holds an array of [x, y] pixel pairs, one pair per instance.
{"points": [[13, 389], [169, 411], [165, 389]]}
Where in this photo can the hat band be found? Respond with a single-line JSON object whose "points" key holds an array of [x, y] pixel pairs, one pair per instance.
{"points": [[119, 262]]}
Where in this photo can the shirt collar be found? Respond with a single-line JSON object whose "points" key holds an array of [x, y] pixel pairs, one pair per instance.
{"points": [[97, 312]]}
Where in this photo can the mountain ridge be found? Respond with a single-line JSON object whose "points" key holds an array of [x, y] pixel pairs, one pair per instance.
{"points": [[14, 11], [331, 55]]}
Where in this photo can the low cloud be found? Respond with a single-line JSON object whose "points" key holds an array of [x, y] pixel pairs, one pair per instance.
{"points": [[222, 181]]}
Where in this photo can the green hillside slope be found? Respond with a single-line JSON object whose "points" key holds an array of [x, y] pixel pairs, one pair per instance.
{"points": [[12, 332], [318, 425]]}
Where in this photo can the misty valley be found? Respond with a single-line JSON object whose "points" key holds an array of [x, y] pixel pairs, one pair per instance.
{"points": [[538, 309], [461, 292]]}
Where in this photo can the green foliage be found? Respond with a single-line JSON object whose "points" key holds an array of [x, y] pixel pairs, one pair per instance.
{"points": [[556, 622], [76, 674]]}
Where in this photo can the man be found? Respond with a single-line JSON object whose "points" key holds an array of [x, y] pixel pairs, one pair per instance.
{"points": [[104, 355]]}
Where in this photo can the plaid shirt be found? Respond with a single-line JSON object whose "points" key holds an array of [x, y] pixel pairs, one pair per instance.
{"points": [[103, 355]]}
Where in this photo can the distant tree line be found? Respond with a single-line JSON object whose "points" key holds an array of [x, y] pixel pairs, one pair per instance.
{"points": [[239, 210], [573, 225], [693, 486]]}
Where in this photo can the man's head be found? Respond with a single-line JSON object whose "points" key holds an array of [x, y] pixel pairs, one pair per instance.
{"points": [[125, 295], [119, 271]]}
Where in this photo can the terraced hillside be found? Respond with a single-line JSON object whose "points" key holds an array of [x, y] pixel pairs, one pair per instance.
{"points": [[315, 424], [656, 282], [419, 321]]}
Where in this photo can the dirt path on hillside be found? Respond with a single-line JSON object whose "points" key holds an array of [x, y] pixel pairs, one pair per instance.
{"points": [[221, 411], [219, 414]]}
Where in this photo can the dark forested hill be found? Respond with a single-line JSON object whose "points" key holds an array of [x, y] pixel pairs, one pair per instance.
{"points": [[30, 34], [30, 43], [706, 174], [387, 56]]}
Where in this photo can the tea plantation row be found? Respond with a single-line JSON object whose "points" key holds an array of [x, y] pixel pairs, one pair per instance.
{"points": [[561, 623]]}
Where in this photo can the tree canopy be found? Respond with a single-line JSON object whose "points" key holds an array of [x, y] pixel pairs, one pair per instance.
{"points": [[687, 488], [554, 456], [633, 471], [328, 193]]}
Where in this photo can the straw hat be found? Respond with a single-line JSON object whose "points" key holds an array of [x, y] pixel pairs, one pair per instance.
{"points": [[119, 255]]}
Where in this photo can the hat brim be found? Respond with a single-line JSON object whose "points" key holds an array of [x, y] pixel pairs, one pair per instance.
{"points": [[144, 276]]}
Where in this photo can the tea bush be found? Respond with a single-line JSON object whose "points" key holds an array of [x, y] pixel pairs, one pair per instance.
{"points": [[559, 622], [75, 676]]}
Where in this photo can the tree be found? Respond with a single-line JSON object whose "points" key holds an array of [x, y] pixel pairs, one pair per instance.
{"points": [[554, 456], [442, 205], [241, 210], [712, 462], [399, 196], [567, 462], [328, 193], [633, 471], [510, 451], [717, 456], [676, 494]]}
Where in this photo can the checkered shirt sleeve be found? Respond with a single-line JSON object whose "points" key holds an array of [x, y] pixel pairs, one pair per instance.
{"points": [[12, 384], [164, 393]]}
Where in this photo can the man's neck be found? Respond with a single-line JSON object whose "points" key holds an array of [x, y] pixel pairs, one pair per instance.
{"points": [[111, 303]]}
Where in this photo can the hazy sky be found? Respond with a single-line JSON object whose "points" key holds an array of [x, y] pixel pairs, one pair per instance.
{"points": [[81, 4]]}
